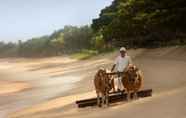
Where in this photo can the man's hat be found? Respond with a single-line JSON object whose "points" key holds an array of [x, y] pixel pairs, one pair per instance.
{"points": [[123, 49]]}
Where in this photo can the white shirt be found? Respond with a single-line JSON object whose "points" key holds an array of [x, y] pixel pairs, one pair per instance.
{"points": [[122, 63]]}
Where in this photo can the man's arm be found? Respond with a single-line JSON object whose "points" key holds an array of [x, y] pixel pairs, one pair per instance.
{"points": [[113, 67]]}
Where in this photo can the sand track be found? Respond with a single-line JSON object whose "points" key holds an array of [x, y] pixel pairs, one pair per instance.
{"points": [[164, 70]]}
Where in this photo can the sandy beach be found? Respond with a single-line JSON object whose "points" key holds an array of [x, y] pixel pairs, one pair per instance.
{"points": [[49, 87]]}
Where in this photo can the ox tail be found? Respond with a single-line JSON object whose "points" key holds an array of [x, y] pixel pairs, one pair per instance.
{"points": [[140, 79]]}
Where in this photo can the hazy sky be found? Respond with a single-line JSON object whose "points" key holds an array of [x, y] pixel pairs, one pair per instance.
{"points": [[23, 19]]}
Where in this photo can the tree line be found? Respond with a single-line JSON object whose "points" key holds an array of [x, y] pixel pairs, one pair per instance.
{"points": [[143, 23], [68, 40], [129, 23]]}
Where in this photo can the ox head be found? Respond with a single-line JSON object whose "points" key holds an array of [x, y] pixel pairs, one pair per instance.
{"points": [[132, 72], [101, 72], [106, 79]]}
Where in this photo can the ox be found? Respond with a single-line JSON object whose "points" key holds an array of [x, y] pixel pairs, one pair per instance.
{"points": [[132, 80], [103, 84]]}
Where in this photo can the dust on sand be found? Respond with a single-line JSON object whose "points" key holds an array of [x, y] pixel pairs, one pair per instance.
{"points": [[9, 87]]}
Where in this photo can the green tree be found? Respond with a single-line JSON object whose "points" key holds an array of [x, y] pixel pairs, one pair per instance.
{"points": [[142, 23]]}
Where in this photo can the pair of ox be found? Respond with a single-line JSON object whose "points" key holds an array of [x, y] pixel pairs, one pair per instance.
{"points": [[132, 80]]}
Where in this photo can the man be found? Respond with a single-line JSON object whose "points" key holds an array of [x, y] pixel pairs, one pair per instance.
{"points": [[120, 65]]}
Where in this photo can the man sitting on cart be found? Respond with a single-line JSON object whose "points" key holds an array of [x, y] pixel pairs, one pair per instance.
{"points": [[120, 65]]}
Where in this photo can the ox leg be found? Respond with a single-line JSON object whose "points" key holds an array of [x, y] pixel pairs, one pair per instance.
{"points": [[107, 99], [98, 100], [103, 100], [128, 96], [135, 95]]}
